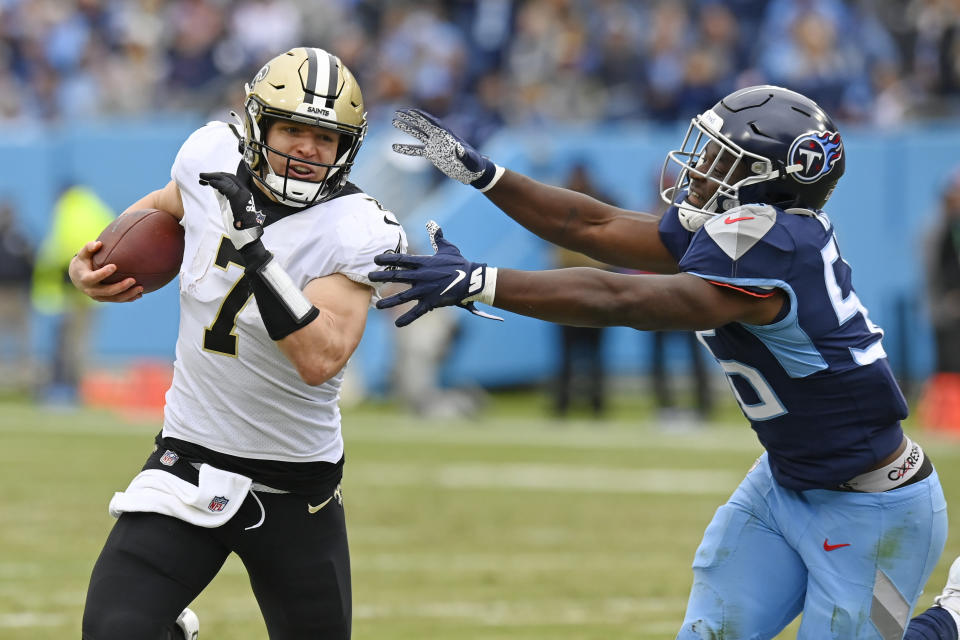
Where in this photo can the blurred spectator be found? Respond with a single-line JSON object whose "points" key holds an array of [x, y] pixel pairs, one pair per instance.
{"points": [[78, 215], [807, 49], [552, 60], [582, 371], [16, 268], [419, 358], [670, 415], [941, 403]]}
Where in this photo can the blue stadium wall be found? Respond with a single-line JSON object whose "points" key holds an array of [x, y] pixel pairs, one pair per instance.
{"points": [[881, 210]]}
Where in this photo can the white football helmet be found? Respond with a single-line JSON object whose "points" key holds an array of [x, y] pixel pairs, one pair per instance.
{"points": [[308, 86]]}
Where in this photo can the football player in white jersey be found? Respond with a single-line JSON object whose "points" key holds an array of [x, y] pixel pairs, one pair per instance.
{"points": [[274, 296]]}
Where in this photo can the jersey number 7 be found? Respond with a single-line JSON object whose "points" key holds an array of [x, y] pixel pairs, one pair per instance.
{"points": [[221, 336]]}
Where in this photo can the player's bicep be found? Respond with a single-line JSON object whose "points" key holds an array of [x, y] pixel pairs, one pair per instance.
{"points": [[344, 301], [166, 199], [322, 348]]}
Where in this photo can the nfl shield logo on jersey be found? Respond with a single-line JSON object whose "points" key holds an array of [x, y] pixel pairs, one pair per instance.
{"points": [[218, 503], [169, 458]]}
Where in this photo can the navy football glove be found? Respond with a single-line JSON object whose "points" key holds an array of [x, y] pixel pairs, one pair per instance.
{"points": [[444, 279], [445, 149]]}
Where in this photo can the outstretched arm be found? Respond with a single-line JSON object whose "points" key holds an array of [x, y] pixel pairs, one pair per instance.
{"points": [[580, 296], [570, 219], [567, 218], [597, 298]]}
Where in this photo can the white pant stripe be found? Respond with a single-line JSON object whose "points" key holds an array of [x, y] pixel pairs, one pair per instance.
{"points": [[890, 610]]}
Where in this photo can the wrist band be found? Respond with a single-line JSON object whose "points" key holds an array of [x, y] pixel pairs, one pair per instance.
{"points": [[497, 174], [489, 290]]}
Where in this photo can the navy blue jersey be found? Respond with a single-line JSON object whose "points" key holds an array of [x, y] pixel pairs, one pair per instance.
{"points": [[815, 385]]}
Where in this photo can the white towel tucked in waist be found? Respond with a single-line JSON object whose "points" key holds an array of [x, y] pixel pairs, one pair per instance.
{"points": [[209, 504]]}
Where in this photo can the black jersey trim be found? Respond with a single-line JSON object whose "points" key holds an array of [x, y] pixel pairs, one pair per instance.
{"points": [[307, 478], [277, 210]]}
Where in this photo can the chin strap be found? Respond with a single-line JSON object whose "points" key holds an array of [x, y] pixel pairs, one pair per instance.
{"points": [[692, 219], [236, 131]]}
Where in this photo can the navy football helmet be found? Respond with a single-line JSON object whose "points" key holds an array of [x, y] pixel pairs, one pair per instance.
{"points": [[759, 145]]}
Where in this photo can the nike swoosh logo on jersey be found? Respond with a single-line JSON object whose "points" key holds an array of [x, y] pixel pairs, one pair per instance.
{"points": [[314, 509], [460, 276], [732, 220], [832, 547]]}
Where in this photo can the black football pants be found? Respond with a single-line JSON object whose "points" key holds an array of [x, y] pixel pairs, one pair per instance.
{"points": [[152, 566]]}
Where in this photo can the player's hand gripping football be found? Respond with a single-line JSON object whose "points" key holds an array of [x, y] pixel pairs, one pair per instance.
{"points": [[241, 217], [445, 149], [89, 280], [444, 279]]}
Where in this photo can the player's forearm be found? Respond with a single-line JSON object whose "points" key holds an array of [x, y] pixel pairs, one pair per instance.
{"points": [[319, 350], [579, 222], [595, 298], [561, 216]]}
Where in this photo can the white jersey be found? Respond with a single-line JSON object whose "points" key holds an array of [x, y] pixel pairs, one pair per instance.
{"points": [[233, 390]]}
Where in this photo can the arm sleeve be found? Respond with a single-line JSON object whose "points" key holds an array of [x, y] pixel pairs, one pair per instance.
{"points": [[674, 237]]}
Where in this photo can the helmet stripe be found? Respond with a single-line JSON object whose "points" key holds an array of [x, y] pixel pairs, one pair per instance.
{"points": [[331, 81], [319, 75], [312, 64]]}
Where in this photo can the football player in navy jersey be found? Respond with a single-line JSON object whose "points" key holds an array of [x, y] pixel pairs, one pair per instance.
{"points": [[842, 519], [274, 297]]}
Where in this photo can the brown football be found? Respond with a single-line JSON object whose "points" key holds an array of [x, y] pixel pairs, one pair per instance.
{"points": [[146, 245]]}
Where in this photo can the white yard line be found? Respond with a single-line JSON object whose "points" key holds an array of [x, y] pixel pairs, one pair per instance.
{"points": [[548, 611], [546, 477], [31, 619]]}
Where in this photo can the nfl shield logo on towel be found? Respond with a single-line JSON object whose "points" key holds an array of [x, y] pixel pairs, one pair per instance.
{"points": [[169, 458], [218, 503]]}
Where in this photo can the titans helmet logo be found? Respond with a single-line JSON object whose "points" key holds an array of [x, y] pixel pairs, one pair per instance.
{"points": [[817, 154]]}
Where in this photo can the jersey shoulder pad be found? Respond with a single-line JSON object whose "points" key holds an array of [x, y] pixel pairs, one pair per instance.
{"points": [[747, 244], [212, 147], [672, 234], [740, 229], [364, 228]]}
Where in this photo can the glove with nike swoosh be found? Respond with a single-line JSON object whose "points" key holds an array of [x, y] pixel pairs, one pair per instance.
{"points": [[444, 279], [448, 152]]}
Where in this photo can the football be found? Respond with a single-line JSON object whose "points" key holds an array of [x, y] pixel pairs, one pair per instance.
{"points": [[146, 245]]}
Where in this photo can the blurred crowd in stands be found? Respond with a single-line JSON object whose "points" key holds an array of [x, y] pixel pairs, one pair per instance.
{"points": [[489, 62]]}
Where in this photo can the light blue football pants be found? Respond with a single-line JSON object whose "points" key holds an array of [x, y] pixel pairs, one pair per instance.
{"points": [[854, 564]]}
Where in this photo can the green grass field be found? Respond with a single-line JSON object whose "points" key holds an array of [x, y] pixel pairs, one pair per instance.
{"points": [[511, 526]]}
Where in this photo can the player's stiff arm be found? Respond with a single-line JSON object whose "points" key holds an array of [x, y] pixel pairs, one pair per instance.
{"points": [[749, 260]]}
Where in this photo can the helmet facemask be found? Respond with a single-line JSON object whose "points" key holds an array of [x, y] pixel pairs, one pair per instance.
{"points": [[709, 155]]}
